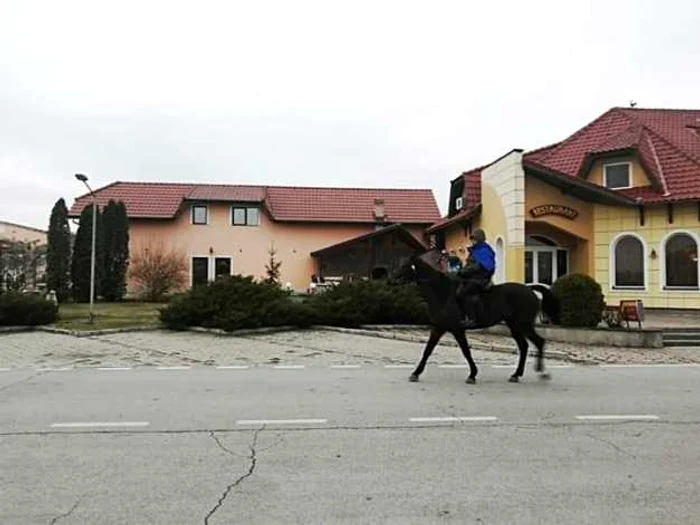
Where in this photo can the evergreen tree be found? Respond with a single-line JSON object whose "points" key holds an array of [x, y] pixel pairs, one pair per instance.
{"points": [[58, 251], [82, 249], [116, 251], [272, 268]]}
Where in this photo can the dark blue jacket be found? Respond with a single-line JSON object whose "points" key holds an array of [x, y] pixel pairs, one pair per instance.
{"points": [[482, 254]]}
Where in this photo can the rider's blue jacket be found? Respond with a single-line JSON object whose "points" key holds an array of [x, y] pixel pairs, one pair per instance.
{"points": [[482, 254]]}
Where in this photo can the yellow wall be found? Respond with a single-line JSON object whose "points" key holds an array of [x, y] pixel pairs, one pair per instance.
{"points": [[639, 176], [538, 193], [611, 221]]}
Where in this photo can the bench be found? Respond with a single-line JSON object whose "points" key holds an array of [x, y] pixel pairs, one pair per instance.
{"points": [[626, 311]]}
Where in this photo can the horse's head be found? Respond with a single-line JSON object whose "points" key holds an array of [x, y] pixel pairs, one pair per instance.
{"points": [[415, 265], [407, 272]]}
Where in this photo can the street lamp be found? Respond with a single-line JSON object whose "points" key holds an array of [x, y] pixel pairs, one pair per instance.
{"points": [[83, 178]]}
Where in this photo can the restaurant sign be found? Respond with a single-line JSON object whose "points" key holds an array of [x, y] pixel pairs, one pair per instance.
{"points": [[553, 209]]}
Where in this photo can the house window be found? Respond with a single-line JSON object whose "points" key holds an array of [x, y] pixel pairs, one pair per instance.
{"points": [[628, 262], [617, 176], [199, 214], [681, 261], [222, 266], [200, 270], [245, 216]]}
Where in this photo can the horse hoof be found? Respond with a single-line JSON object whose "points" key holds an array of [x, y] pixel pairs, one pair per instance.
{"points": [[514, 379], [545, 376], [413, 378], [471, 380]]}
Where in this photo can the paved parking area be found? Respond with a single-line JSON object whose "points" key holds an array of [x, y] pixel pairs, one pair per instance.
{"points": [[291, 348]]}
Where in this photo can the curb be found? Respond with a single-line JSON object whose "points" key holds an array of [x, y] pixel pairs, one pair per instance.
{"points": [[92, 333], [242, 332], [16, 329]]}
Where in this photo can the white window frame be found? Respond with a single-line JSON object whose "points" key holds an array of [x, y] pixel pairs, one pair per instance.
{"points": [[245, 207], [213, 264], [500, 276], [612, 261], [191, 261], [198, 205], [629, 175], [459, 203], [662, 263]]}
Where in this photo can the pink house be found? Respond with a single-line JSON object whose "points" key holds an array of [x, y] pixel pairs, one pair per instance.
{"points": [[229, 229]]}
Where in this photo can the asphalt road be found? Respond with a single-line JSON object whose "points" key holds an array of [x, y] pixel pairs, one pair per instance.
{"points": [[349, 445]]}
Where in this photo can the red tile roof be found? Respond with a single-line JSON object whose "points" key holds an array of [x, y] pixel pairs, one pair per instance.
{"points": [[284, 203], [666, 141], [351, 204]]}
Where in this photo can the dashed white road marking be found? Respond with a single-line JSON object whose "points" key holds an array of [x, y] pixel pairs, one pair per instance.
{"points": [[280, 421], [62, 369], [443, 419], [452, 366], [289, 367], [398, 366], [233, 367], [4, 369], [618, 417], [173, 367], [546, 367], [114, 368], [100, 424], [345, 366], [650, 365]]}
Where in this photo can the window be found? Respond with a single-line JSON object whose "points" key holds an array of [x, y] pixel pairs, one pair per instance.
{"points": [[459, 203], [199, 214], [617, 176], [681, 261], [245, 215], [200, 270], [222, 266], [628, 262]]}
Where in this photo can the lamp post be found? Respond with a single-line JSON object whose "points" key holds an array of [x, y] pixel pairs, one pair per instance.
{"points": [[83, 178]]}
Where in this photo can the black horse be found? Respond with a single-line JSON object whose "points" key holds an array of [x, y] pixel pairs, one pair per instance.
{"points": [[515, 304]]}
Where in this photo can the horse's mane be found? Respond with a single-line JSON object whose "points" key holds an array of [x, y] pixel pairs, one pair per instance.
{"points": [[431, 272]]}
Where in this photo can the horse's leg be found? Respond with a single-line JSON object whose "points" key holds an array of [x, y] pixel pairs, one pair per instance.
{"points": [[538, 340], [435, 335], [466, 351], [521, 341]]}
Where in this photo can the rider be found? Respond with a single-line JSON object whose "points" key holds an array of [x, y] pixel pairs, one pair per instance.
{"points": [[480, 267]]}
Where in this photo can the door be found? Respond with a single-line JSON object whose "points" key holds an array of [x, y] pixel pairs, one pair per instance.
{"points": [[545, 265]]}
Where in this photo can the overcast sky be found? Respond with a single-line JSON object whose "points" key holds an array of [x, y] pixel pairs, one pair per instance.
{"points": [[394, 94]]}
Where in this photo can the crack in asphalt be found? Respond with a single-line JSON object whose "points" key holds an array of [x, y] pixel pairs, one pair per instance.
{"points": [[66, 514], [610, 443], [33, 376], [253, 461]]}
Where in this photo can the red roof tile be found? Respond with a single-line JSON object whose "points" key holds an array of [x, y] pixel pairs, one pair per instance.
{"points": [[162, 201], [220, 192], [350, 204], [667, 142]]}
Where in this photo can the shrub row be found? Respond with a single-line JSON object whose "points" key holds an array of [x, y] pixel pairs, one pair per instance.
{"points": [[237, 302], [26, 310]]}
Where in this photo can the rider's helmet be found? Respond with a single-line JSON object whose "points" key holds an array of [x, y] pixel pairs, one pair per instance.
{"points": [[478, 235]]}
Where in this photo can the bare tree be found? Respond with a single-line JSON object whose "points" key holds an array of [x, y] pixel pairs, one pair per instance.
{"points": [[158, 271]]}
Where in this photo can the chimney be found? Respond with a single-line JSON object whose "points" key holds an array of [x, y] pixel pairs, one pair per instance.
{"points": [[379, 215]]}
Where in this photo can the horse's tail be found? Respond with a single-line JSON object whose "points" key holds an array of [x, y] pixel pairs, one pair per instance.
{"points": [[549, 303]]}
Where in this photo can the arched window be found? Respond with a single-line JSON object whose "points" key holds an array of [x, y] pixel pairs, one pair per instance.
{"points": [[628, 262], [681, 252]]}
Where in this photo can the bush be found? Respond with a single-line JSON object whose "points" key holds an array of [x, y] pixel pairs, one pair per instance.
{"points": [[236, 302], [158, 272], [581, 300], [26, 310], [370, 302]]}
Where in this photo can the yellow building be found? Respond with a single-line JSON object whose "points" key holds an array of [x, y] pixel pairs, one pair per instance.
{"points": [[618, 200]]}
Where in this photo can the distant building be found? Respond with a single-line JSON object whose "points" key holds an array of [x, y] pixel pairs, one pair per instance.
{"points": [[33, 272], [318, 233]]}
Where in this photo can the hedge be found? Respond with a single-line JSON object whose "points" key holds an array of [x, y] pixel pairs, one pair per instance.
{"points": [[238, 302], [581, 300], [26, 310]]}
